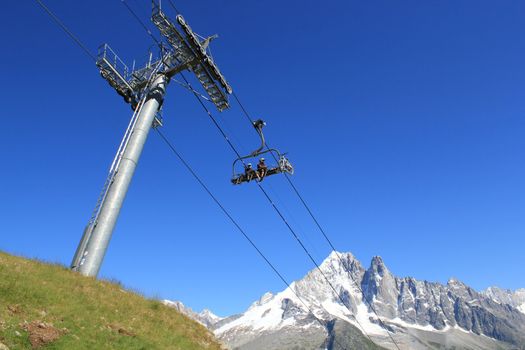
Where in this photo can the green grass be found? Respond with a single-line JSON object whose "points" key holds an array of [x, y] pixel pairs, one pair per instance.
{"points": [[89, 313]]}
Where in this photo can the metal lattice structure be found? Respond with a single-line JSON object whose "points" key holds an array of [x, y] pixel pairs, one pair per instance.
{"points": [[192, 55], [114, 70], [186, 52]]}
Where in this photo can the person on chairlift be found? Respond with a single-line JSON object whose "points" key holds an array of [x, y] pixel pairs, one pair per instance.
{"points": [[262, 169], [249, 172]]}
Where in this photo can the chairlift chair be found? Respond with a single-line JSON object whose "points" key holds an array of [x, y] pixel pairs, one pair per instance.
{"points": [[248, 174]]}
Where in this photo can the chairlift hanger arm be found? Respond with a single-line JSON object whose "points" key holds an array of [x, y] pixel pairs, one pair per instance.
{"points": [[258, 125]]}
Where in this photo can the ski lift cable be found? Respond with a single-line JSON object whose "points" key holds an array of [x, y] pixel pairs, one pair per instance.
{"points": [[234, 149], [66, 29], [141, 23], [189, 88], [238, 226], [84, 48], [174, 7], [276, 209], [274, 193], [289, 180], [190, 169], [325, 235]]}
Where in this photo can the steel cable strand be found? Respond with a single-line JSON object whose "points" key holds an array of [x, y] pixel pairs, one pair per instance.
{"points": [[277, 210], [83, 47], [260, 186], [240, 229], [141, 23], [66, 29], [198, 97], [325, 235]]}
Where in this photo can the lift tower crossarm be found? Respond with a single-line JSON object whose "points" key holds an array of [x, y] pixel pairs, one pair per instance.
{"points": [[192, 54]]}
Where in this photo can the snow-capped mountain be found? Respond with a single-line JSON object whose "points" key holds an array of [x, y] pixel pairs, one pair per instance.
{"points": [[505, 296], [418, 314], [205, 317]]}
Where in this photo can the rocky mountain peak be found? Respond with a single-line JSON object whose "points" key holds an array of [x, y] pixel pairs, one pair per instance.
{"points": [[341, 262], [263, 300], [378, 266], [205, 317], [380, 288], [420, 313], [461, 290], [506, 296], [207, 314], [455, 283], [377, 261]]}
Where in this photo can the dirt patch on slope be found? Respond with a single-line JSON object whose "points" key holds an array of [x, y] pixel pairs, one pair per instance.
{"points": [[121, 330], [41, 333]]}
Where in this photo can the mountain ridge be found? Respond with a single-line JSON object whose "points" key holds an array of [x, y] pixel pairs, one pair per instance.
{"points": [[419, 314]]}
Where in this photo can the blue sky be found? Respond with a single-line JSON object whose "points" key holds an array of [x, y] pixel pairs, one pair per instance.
{"points": [[404, 121]]}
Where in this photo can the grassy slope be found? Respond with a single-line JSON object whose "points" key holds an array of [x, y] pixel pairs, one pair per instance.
{"points": [[91, 314]]}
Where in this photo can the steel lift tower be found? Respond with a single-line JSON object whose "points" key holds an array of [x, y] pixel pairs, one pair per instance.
{"points": [[144, 90]]}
